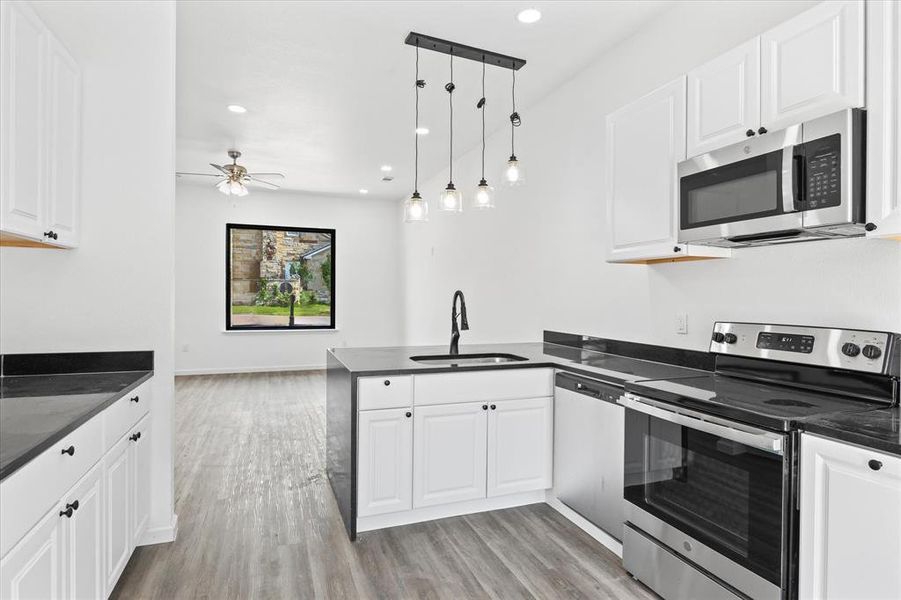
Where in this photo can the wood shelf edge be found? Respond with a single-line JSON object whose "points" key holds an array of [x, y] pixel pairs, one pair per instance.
{"points": [[11, 240]]}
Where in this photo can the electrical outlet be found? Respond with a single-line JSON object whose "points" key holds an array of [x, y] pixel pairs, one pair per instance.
{"points": [[682, 323]]}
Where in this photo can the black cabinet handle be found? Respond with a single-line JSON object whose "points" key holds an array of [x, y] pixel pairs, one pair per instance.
{"points": [[749, 133], [70, 451], [70, 508], [387, 382], [135, 399], [484, 407], [677, 249], [493, 406], [135, 437], [408, 414], [73, 505], [762, 130], [875, 464], [51, 234]]}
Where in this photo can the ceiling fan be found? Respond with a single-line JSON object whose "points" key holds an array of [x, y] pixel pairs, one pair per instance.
{"points": [[234, 177]]}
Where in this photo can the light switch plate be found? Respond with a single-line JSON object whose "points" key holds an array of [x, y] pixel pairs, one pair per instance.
{"points": [[682, 323]]}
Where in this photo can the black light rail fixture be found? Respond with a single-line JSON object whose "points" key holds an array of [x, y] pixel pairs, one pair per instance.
{"points": [[428, 42]]}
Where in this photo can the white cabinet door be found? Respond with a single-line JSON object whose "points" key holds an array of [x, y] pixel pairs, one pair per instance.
{"points": [[813, 64], [385, 461], [64, 146], [118, 486], [884, 118], [449, 445], [33, 568], [83, 535], [850, 522], [520, 446], [141, 456], [724, 99], [23, 46], [645, 141]]}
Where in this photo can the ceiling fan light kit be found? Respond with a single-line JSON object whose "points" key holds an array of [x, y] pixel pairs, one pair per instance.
{"points": [[233, 178], [451, 200]]}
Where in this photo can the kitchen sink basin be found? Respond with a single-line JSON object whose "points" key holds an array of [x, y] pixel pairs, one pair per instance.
{"points": [[467, 359]]}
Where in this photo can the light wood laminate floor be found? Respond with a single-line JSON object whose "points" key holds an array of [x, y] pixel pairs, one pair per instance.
{"points": [[257, 518]]}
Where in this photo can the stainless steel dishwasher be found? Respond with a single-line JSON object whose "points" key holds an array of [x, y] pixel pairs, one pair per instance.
{"points": [[588, 450]]}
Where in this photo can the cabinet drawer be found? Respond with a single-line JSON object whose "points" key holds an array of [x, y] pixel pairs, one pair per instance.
{"points": [[384, 392], [483, 386], [28, 494], [124, 413]]}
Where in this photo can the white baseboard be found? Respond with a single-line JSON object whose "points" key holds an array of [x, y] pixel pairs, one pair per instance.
{"points": [[227, 370], [585, 525], [429, 513], [161, 535]]}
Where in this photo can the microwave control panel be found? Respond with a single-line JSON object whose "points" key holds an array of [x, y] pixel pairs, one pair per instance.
{"points": [[822, 172]]}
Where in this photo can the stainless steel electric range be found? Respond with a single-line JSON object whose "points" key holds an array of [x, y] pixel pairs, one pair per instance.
{"points": [[711, 462]]}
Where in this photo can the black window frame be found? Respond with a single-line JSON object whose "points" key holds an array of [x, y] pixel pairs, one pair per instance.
{"points": [[228, 314]]}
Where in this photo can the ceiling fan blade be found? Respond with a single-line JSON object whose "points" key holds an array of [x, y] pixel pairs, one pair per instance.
{"points": [[179, 173], [278, 175], [253, 179], [220, 168]]}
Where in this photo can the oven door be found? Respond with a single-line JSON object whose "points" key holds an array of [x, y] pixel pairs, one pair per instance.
{"points": [[742, 192], [715, 494]]}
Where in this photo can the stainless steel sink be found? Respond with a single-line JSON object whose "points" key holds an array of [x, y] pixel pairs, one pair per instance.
{"points": [[467, 359]]}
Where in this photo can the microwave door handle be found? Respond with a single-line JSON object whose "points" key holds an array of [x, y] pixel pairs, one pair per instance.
{"points": [[762, 441], [788, 179]]}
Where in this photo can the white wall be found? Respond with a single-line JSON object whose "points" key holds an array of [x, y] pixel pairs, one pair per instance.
{"points": [[115, 291], [537, 261], [368, 279]]}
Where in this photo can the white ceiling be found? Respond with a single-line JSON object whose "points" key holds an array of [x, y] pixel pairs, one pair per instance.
{"points": [[329, 85]]}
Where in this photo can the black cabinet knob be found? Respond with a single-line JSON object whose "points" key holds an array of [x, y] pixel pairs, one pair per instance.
{"points": [[850, 349], [51, 234], [870, 227], [387, 382], [762, 130], [494, 407], [408, 414], [70, 451], [872, 352], [875, 464], [73, 505], [135, 399], [66, 513], [677, 249], [484, 407], [749, 133], [135, 437]]}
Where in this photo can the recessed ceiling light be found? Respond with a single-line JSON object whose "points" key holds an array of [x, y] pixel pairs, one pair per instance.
{"points": [[237, 108], [529, 15], [422, 131], [386, 168], [364, 191]]}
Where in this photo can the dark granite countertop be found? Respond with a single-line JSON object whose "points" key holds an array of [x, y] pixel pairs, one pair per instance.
{"points": [[876, 429], [614, 368], [37, 410]]}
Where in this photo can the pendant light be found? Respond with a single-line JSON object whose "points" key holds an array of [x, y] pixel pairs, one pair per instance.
{"points": [[513, 173], [451, 200], [484, 196], [416, 209]]}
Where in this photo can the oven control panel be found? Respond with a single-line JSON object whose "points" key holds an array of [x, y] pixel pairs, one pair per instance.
{"points": [[852, 349]]}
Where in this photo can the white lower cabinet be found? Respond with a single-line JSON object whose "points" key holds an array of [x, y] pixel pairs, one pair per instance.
{"points": [[140, 488], [850, 522], [449, 449], [117, 470], [33, 569], [520, 445], [385, 467], [83, 556]]}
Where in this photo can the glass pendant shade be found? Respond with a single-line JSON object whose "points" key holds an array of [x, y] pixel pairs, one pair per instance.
{"points": [[451, 200], [513, 173], [416, 210], [484, 196]]}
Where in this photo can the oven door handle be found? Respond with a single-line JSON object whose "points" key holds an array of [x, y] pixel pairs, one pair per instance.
{"points": [[769, 442]]}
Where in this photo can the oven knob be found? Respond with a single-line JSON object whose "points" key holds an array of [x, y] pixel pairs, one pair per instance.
{"points": [[718, 337], [730, 338], [850, 349], [872, 352]]}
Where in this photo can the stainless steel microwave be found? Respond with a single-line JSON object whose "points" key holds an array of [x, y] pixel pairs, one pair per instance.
{"points": [[802, 183]]}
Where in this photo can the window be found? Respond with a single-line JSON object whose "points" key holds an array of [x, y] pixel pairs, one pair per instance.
{"points": [[279, 277]]}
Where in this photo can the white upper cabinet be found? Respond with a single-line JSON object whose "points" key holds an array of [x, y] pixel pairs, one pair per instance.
{"points": [[813, 64], [449, 449], [850, 522], [40, 131], [520, 445], [645, 141], [884, 118], [724, 99], [385, 471]]}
